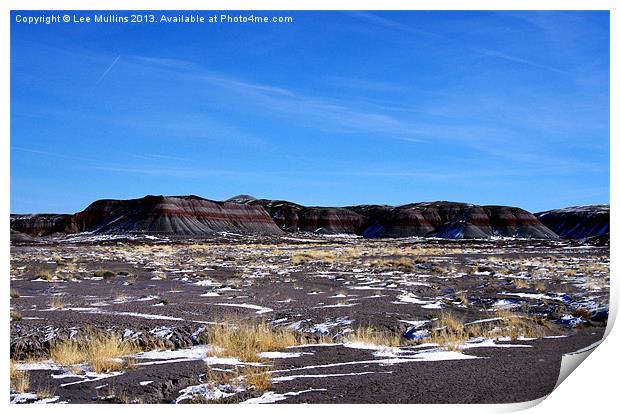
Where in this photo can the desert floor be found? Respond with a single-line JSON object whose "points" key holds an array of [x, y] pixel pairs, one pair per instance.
{"points": [[300, 319]]}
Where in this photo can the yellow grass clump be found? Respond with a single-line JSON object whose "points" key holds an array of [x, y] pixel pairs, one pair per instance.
{"points": [[372, 335], [448, 331], [45, 275], [67, 353], [402, 263], [249, 376], [582, 312], [514, 325], [570, 272], [16, 316], [101, 353], [45, 392], [245, 340], [521, 283], [462, 297], [592, 285], [308, 256], [57, 302], [258, 378], [20, 380]]}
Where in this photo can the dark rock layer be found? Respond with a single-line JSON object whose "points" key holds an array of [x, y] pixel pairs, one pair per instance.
{"points": [[195, 216], [326, 220], [176, 216], [433, 219], [451, 220], [578, 222], [36, 342], [16, 236], [41, 224]]}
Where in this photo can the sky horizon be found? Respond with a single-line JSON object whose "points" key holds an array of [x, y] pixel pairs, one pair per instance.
{"points": [[333, 109]]}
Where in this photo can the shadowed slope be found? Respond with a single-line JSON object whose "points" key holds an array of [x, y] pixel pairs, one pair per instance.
{"points": [[196, 216], [577, 222]]}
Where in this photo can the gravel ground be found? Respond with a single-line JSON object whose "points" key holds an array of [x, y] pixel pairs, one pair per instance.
{"points": [[169, 294]]}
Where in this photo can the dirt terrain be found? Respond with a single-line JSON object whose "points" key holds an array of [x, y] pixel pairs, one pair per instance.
{"points": [[303, 319]]}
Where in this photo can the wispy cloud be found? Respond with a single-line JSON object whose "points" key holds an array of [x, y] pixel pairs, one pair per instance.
{"points": [[342, 116], [393, 24], [103, 75], [186, 126], [364, 84], [504, 56], [319, 112], [52, 154], [383, 21]]}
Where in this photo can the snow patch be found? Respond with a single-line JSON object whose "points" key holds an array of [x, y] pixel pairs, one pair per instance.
{"points": [[270, 396]]}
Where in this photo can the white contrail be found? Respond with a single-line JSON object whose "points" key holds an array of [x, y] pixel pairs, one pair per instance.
{"points": [[108, 69]]}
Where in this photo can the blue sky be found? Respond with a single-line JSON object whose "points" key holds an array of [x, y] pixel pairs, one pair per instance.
{"points": [[336, 108]]}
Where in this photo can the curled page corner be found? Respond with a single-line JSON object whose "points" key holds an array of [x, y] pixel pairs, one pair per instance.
{"points": [[572, 360], [520, 406], [568, 364]]}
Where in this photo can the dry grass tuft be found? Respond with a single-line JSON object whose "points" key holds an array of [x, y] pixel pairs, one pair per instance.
{"points": [[45, 275], [462, 297], [67, 353], [308, 256], [217, 376], [20, 380], [14, 293], [443, 270], [372, 335], [582, 312], [540, 285], [595, 267], [105, 274], [515, 325], [251, 377], [484, 268], [102, 353], [16, 316], [45, 392], [245, 340], [592, 284], [521, 283], [258, 378], [401, 263], [448, 331], [117, 396], [57, 302], [570, 272]]}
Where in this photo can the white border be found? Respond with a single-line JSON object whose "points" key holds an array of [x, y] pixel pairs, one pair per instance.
{"points": [[592, 388]]}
